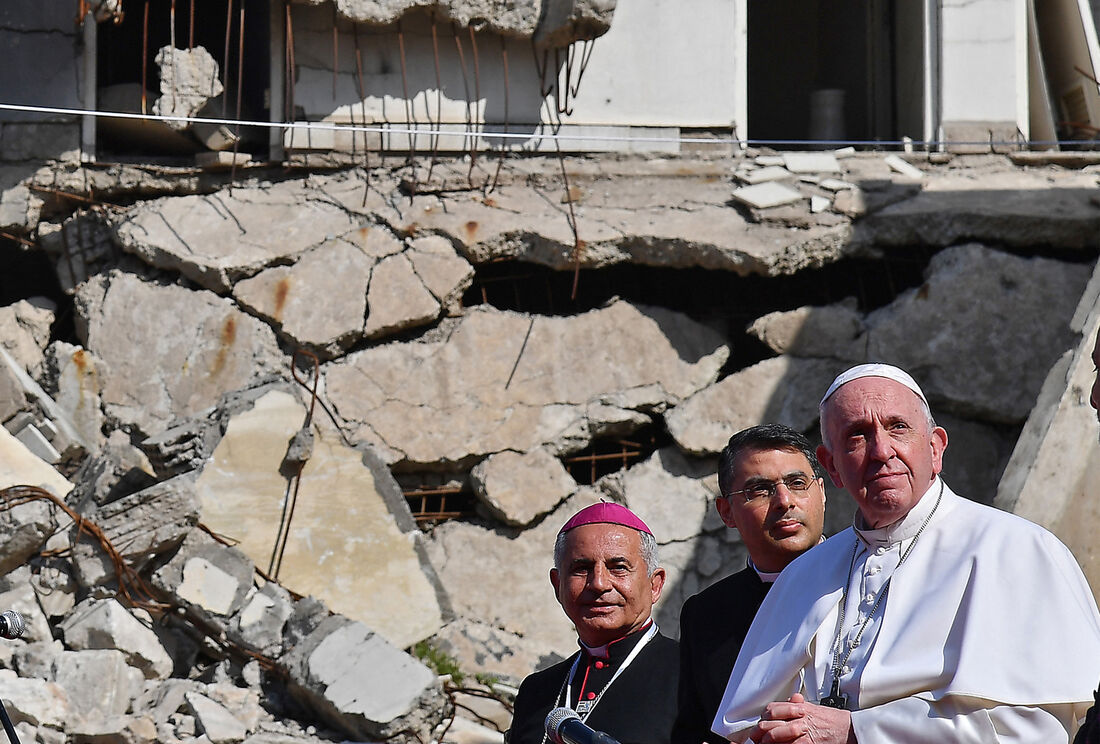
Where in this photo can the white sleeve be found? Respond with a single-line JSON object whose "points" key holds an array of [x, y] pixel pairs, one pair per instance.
{"points": [[962, 720]]}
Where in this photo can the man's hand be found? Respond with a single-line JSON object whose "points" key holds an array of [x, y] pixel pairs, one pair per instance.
{"points": [[799, 722]]}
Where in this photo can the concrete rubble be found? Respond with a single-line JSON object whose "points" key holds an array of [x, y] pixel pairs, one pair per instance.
{"points": [[539, 380], [195, 347], [549, 22], [223, 544]]}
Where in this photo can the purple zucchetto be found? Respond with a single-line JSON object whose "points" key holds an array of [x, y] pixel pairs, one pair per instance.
{"points": [[606, 512]]}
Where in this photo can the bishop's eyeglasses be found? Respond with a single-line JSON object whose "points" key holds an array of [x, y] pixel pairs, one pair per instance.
{"points": [[762, 490]]}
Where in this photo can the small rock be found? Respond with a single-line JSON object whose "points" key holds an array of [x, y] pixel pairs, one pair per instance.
{"points": [[764, 195], [104, 623], [214, 720], [903, 167], [519, 488]]}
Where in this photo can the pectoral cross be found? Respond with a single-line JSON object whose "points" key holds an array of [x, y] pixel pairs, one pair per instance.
{"points": [[835, 699]]}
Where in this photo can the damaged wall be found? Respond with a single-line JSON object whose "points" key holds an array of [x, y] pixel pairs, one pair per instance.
{"points": [[440, 75], [436, 375]]}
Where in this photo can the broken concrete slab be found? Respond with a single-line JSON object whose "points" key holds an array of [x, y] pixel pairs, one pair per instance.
{"points": [[117, 469], [1018, 209], [121, 729], [174, 362], [150, 522], [326, 673], [320, 301], [835, 184], [20, 208], [551, 24], [104, 623], [518, 488], [445, 274], [35, 701], [905, 168], [397, 298], [829, 331], [765, 195], [811, 162], [505, 655], [213, 720], [12, 398], [976, 310], [182, 447], [218, 239], [188, 80], [26, 526], [19, 467], [563, 23], [533, 382], [783, 390], [646, 219], [765, 174], [259, 624], [25, 331], [80, 247], [207, 576], [671, 493], [345, 545], [98, 682], [54, 584], [79, 376], [35, 659]]}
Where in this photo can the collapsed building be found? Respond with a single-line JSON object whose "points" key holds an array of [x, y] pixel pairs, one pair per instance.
{"points": [[292, 413]]}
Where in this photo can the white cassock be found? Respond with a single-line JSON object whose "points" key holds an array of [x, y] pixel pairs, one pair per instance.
{"points": [[988, 631]]}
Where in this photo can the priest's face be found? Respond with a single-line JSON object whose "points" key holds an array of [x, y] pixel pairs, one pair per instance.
{"points": [[880, 446], [603, 583], [1094, 399], [778, 528]]}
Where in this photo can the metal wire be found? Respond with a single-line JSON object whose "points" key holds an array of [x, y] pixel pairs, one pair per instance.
{"points": [[878, 144], [290, 500]]}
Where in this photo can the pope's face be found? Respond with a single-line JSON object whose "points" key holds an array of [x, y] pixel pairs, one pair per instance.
{"points": [[879, 446], [775, 530], [603, 583], [1094, 399]]}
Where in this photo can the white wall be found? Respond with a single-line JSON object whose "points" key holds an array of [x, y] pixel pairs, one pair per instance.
{"points": [[662, 64], [984, 61]]}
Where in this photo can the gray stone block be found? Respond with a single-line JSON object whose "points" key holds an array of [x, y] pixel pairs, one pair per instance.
{"points": [[399, 693]]}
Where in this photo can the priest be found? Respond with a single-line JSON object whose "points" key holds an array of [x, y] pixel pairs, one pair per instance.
{"points": [[622, 681], [933, 618], [772, 491]]}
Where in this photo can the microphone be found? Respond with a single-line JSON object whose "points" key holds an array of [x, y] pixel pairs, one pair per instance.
{"points": [[564, 726], [11, 624]]}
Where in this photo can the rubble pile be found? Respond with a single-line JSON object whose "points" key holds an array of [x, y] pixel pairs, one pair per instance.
{"points": [[210, 531]]}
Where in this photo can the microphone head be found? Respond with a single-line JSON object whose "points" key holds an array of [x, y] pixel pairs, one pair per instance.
{"points": [[11, 624], [554, 720]]}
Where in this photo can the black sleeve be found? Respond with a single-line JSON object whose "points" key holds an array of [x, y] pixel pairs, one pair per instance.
{"points": [[688, 728]]}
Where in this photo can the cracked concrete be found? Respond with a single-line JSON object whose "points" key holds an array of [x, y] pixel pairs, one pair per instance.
{"points": [[505, 381]]}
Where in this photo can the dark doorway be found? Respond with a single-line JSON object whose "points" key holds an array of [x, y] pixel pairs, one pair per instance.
{"points": [[126, 57], [835, 69]]}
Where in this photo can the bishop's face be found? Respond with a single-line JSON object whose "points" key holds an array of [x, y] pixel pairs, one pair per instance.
{"points": [[603, 583], [880, 447]]}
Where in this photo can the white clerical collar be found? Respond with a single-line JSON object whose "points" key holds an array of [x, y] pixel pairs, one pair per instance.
{"points": [[604, 651], [769, 577], [766, 576], [902, 529]]}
